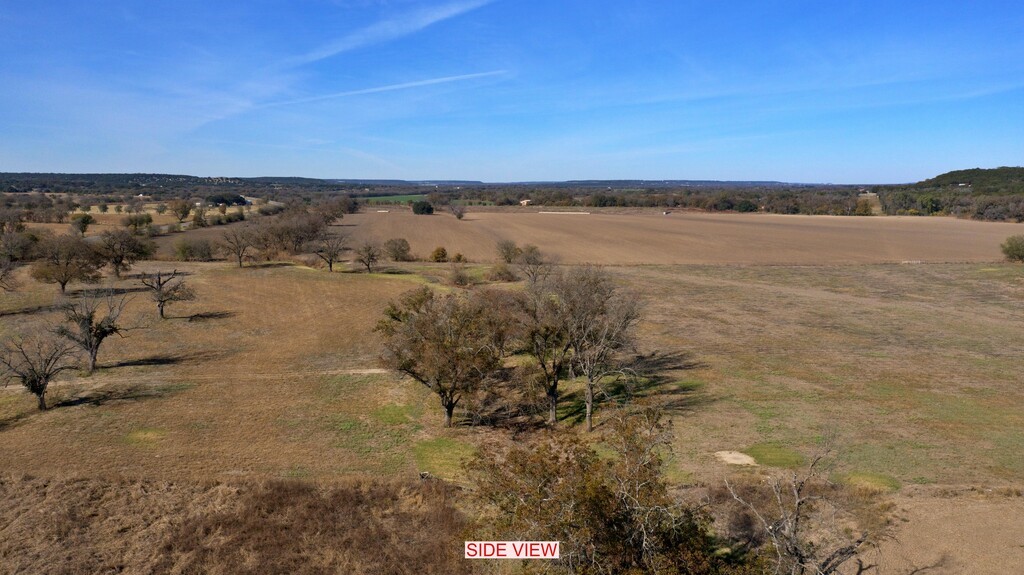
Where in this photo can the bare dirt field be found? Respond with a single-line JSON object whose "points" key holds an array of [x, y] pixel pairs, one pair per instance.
{"points": [[272, 372], [693, 238]]}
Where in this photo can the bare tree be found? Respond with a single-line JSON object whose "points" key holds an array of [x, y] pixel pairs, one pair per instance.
{"points": [[167, 288], [508, 251], [803, 546], [237, 242], [64, 259], [35, 362], [441, 342], [458, 211], [329, 249], [368, 255], [533, 265], [87, 328], [121, 249], [600, 320]]}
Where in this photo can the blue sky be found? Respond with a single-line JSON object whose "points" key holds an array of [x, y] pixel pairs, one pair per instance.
{"points": [[503, 90]]}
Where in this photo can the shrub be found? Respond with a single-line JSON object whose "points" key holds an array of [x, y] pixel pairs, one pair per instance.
{"points": [[137, 223], [269, 209], [422, 208], [439, 254], [459, 258], [500, 272], [1013, 248], [398, 250], [193, 250], [458, 275]]}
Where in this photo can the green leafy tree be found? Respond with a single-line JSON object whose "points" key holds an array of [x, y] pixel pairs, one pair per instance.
{"points": [[1013, 248]]}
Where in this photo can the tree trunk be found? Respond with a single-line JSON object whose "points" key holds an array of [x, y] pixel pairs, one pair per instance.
{"points": [[92, 360], [553, 404], [160, 306], [63, 287], [330, 267], [240, 256], [448, 410], [590, 407], [42, 401]]}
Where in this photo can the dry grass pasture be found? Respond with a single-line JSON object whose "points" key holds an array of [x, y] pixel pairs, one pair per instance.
{"points": [[271, 374]]}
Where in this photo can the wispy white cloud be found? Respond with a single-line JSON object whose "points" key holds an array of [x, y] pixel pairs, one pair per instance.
{"points": [[388, 88], [389, 29]]}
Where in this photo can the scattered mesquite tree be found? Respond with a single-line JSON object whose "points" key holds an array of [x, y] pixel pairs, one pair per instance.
{"points": [[238, 241], [599, 321], [533, 264], [91, 320], [180, 209], [368, 254], [167, 287], [121, 249], [546, 340], [329, 248], [443, 342], [65, 259], [35, 362]]}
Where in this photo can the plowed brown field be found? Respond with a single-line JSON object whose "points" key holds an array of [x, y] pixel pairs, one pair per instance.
{"points": [[694, 238]]}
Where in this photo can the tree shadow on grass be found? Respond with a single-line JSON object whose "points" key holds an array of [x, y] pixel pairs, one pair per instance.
{"points": [[269, 265], [211, 315], [103, 292], [140, 275], [31, 310], [133, 392], [12, 421], [167, 359], [654, 379]]}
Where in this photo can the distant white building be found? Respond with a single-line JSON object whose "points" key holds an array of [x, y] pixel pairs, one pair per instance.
{"points": [[525, 202]]}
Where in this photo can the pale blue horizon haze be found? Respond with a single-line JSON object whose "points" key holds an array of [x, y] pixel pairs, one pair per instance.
{"points": [[505, 90]]}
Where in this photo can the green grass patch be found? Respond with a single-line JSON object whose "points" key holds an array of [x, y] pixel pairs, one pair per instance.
{"points": [[442, 456], [396, 414], [868, 481], [775, 455]]}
